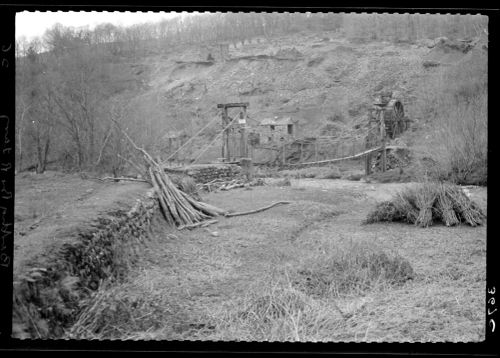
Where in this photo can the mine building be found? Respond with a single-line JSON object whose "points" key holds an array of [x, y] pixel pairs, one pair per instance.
{"points": [[278, 129]]}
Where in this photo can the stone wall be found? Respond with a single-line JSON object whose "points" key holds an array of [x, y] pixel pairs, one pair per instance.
{"points": [[204, 173], [47, 298]]}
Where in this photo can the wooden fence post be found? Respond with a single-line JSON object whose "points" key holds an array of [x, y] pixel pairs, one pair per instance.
{"points": [[247, 168]]}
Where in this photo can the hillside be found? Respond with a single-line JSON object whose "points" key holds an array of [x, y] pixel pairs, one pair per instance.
{"points": [[320, 78]]}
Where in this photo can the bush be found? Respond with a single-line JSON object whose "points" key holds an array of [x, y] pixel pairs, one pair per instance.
{"points": [[429, 203], [457, 102]]}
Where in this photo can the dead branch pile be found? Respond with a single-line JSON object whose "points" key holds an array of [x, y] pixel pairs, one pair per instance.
{"points": [[178, 208], [428, 203]]}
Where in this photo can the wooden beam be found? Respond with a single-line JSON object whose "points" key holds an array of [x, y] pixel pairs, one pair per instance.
{"points": [[384, 156], [232, 105]]}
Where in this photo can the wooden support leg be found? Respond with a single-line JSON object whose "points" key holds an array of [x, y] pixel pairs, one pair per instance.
{"points": [[384, 158]]}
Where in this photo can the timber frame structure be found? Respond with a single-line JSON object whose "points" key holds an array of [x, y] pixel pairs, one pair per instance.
{"points": [[227, 123], [387, 121]]}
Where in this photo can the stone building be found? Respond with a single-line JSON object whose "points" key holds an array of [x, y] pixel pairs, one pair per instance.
{"points": [[277, 129]]}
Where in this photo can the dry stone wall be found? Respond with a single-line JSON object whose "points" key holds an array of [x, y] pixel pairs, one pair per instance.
{"points": [[204, 173], [48, 298]]}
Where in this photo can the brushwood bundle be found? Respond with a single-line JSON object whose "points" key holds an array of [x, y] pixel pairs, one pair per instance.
{"points": [[429, 203]]}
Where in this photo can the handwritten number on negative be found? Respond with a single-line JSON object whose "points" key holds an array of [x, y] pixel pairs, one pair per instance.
{"points": [[4, 260]]}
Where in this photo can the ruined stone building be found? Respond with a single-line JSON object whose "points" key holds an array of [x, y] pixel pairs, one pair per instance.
{"points": [[277, 129]]}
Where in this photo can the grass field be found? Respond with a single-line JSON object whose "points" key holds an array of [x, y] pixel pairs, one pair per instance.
{"points": [[307, 271]]}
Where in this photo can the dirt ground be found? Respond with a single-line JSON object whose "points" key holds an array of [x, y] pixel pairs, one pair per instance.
{"points": [[200, 282], [49, 208]]}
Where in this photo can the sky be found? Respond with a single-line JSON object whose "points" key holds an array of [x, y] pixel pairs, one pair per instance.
{"points": [[32, 24]]}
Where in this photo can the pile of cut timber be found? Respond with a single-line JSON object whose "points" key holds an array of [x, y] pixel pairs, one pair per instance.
{"points": [[178, 208]]}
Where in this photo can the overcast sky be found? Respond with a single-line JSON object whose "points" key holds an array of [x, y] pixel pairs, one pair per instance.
{"points": [[31, 24]]}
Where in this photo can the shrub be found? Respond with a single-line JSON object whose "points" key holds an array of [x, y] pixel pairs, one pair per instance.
{"points": [[428, 203], [457, 103]]}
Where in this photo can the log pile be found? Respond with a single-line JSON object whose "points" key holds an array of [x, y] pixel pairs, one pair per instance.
{"points": [[179, 209]]}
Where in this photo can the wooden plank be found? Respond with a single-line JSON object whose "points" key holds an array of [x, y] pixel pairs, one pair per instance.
{"points": [[232, 105]]}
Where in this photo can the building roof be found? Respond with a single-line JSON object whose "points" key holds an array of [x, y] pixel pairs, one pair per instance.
{"points": [[276, 121]]}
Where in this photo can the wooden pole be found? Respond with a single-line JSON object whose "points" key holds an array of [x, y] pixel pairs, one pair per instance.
{"points": [[245, 138], [242, 141], [228, 152], [384, 156], [383, 133], [223, 154], [247, 168], [284, 153], [368, 160]]}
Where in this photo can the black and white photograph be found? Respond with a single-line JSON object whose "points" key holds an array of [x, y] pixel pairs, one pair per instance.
{"points": [[250, 176]]}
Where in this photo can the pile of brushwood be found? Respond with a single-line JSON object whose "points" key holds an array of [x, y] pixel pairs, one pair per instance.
{"points": [[178, 207], [428, 203]]}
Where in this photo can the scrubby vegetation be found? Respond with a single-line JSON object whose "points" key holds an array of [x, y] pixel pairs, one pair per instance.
{"points": [[301, 304], [456, 107], [429, 203]]}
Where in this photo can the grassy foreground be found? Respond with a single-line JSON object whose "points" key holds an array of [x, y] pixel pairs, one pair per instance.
{"points": [[308, 271]]}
